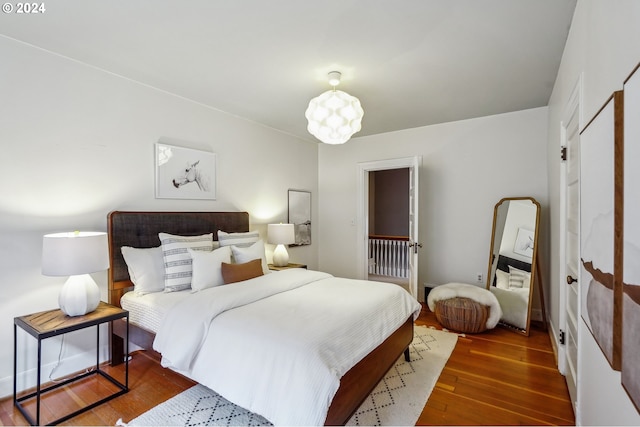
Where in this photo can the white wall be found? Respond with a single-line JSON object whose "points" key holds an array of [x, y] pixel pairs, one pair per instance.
{"points": [[467, 167], [604, 46], [78, 142]]}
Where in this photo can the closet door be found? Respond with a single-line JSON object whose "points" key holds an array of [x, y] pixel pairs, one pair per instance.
{"points": [[571, 158]]}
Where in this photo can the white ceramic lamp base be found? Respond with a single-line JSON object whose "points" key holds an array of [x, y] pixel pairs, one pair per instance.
{"points": [[280, 256], [79, 295]]}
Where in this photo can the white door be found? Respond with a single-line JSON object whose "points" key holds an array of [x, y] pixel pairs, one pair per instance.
{"points": [[414, 242], [413, 163], [568, 363]]}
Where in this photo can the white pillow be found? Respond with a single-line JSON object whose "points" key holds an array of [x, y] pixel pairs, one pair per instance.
{"points": [[207, 267], [255, 251], [527, 280], [177, 261], [518, 278], [242, 240], [502, 279], [146, 268]]}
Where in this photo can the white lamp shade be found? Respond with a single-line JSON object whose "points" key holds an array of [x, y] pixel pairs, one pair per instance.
{"points": [[281, 234], [69, 254], [76, 254], [334, 116]]}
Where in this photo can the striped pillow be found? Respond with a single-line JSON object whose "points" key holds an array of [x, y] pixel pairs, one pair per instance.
{"points": [[518, 278], [241, 240], [177, 261]]}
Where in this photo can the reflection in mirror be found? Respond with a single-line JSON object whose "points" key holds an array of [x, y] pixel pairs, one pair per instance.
{"points": [[512, 259]]}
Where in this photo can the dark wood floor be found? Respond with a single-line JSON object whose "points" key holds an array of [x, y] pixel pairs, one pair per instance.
{"points": [[493, 378]]}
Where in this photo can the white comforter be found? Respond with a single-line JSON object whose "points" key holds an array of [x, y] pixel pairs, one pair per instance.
{"points": [[278, 344]]}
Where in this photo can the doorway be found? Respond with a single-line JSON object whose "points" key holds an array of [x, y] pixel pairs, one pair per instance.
{"points": [[395, 254], [388, 237]]}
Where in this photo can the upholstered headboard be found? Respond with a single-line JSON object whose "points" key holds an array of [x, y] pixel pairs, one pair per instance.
{"points": [[504, 263], [140, 230]]}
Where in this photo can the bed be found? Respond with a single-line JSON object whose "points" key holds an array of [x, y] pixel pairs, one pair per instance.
{"points": [[140, 230]]}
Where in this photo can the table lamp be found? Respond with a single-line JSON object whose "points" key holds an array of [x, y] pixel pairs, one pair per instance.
{"points": [[76, 254], [280, 235]]}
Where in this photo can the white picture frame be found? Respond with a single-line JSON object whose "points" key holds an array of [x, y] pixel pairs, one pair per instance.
{"points": [[184, 173], [524, 242]]}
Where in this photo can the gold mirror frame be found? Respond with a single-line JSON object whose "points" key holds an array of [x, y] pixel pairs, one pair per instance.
{"points": [[518, 237]]}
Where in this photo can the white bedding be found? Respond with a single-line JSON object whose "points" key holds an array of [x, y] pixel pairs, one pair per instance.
{"points": [[278, 344], [515, 305], [148, 310]]}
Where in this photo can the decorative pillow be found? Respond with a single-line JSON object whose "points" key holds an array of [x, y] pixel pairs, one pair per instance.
{"points": [[518, 278], [502, 279], [232, 273], [255, 251], [238, 239], [146, 268], [177, 261], [207, 267], [527, 280]]}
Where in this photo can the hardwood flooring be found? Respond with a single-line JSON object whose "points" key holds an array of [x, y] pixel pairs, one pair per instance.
{"points": [[493, 378], [499, 378]]}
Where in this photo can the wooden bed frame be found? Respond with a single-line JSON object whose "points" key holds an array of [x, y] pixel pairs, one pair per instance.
{"points": [[140, 230]]}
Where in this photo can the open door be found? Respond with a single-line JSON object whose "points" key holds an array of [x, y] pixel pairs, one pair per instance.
{"points": [[414, 242], [413, 164]]}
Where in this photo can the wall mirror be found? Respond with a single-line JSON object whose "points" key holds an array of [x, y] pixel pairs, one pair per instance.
{"points": [[512, 259]]}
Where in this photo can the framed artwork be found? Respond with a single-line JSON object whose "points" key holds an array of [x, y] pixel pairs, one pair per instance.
{"points": [[600, 216], [300, 216], [630, 371], [524, 243], [184, 173]]}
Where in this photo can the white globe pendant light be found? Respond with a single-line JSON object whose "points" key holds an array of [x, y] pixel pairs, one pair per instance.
{"points": [[334, 116]]}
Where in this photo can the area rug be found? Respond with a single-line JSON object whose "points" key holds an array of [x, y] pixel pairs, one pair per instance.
{"points": [[397, 400]]}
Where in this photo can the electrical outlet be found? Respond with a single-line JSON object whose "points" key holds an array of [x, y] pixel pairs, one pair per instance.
{"points": [[479, 277]]}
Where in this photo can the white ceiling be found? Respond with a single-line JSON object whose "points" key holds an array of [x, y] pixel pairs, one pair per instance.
{"points": [[411, 62]]}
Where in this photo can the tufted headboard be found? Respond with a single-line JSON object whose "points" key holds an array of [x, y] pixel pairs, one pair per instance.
{"points": [[140, 230], [504, 262]]}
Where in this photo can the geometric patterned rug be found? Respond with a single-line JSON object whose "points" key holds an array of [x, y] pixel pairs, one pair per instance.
{"points": [[397, 400], [400, 397]]}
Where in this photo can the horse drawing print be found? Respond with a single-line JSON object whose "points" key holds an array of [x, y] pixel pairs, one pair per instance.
{"points": [[192, 174]]}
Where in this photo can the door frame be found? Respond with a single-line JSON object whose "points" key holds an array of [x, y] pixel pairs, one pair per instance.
{"points": [[362, 214]]}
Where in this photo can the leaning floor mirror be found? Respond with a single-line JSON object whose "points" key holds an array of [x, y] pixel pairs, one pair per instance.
{"points": [[512, 259]]}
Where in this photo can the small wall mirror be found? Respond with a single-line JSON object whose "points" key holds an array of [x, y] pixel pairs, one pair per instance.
{"points": [[512, 259]]}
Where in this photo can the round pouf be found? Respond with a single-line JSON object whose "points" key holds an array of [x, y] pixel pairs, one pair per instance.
{"points": [[462, 315]]}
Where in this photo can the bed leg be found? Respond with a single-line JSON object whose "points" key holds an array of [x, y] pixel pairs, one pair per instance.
{"points": [[116, 346], [407, 355]]}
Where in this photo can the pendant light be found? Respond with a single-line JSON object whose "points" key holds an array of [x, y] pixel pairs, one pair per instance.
{"points": [[334, 116]]}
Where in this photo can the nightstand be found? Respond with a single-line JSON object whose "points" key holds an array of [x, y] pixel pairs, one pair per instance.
{"points": [[52, 323], [290, 265]]}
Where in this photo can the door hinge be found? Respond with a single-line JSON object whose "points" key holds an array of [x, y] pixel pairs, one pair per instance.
{"points": [[562, 338], [563, 153]]}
